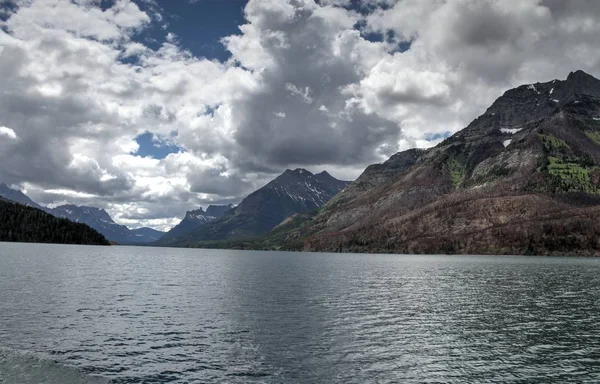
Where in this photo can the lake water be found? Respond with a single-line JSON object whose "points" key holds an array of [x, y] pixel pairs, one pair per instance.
{"points": [[73, 314]]}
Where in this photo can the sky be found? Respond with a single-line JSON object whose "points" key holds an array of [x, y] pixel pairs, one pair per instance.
{"points": [[150, 108]]}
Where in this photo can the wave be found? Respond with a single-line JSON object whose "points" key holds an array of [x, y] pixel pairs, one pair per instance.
{"points": [[29, 368]]}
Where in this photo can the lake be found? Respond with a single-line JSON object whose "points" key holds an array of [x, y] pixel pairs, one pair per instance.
{"points": [[75, 314]]}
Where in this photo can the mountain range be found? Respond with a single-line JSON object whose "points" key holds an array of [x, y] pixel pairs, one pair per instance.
{"points": [[293, 192], [96, 218], [196, 218], [101, 221], [523, 178]]}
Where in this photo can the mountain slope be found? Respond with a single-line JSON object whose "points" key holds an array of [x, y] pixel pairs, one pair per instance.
{"points": [[21, 223], [17, 196], [522, 178], [196, 218], [101, 221], [294, 191]]}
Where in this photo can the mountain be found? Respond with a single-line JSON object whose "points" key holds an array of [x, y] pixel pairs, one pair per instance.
{"points": [[144, 235], [17, 196], [196, 218], [294, 191], [218, 210], [523, 178], [101, 221], [22, 223]]}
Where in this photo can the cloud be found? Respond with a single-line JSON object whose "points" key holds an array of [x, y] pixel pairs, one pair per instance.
{"points": [[303, 87], [8, 133]]}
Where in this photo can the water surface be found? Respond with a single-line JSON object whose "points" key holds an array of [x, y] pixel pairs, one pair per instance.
{"points": [[71, 314]]}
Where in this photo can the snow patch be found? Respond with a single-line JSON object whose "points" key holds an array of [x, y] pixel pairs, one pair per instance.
{"points": [[533, 88], [596, 118], [555, 100], [552, 90], [512, 131], [506, 143]]}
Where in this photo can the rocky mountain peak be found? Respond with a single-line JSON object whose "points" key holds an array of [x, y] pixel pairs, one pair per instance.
{"points": [[195, 212], [581, 77]]}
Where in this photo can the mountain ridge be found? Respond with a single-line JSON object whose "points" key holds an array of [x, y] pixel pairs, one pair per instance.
{"points": [[17, 196], [101, 221], [195, 218], [96, 218], [293, 191], [509, 182]]}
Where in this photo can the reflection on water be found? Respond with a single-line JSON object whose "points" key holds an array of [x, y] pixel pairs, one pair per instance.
{"points": [[168, 315]]}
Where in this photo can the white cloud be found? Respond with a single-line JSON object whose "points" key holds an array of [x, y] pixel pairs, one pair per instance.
{"points": [[303, 88], [8, 133]]}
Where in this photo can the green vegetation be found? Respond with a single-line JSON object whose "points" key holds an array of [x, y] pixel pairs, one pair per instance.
{"points": [[553, 143], [567, 172], [20, 223], [594, 136], [571, 177], [457, 169]]}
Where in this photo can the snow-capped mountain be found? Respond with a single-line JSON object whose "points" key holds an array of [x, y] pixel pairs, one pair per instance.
{"points": [[101, 221], [294, 191], [194, 219]]}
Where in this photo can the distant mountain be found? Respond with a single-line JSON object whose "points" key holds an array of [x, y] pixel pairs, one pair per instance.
{"points": [[101, 221], [17, 196], [196, 218], [144, 235], [22, 223], [523, 178], [294, 191]]}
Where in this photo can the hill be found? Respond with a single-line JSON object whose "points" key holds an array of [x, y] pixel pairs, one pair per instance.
{"points": [[21, 223]]}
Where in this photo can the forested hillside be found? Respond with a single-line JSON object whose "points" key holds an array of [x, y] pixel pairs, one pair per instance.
{"points": [[20, 223]]}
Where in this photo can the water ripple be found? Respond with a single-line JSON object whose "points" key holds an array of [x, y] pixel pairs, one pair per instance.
{"points": [[144, 315]]}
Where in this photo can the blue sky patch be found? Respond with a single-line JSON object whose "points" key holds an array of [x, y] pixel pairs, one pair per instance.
{"points": [[150, 146], [198, 24], [437, 136]]}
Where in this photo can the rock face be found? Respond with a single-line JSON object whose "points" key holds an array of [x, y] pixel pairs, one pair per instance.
{"points": [[294, 191], [101, 221], [524, 177], [196, 218]]}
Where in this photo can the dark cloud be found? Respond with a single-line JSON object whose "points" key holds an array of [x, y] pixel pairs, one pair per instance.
{"points": [[299, 115]]}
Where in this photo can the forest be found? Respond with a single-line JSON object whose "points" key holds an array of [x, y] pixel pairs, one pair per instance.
{"points": [[20, 223]]}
